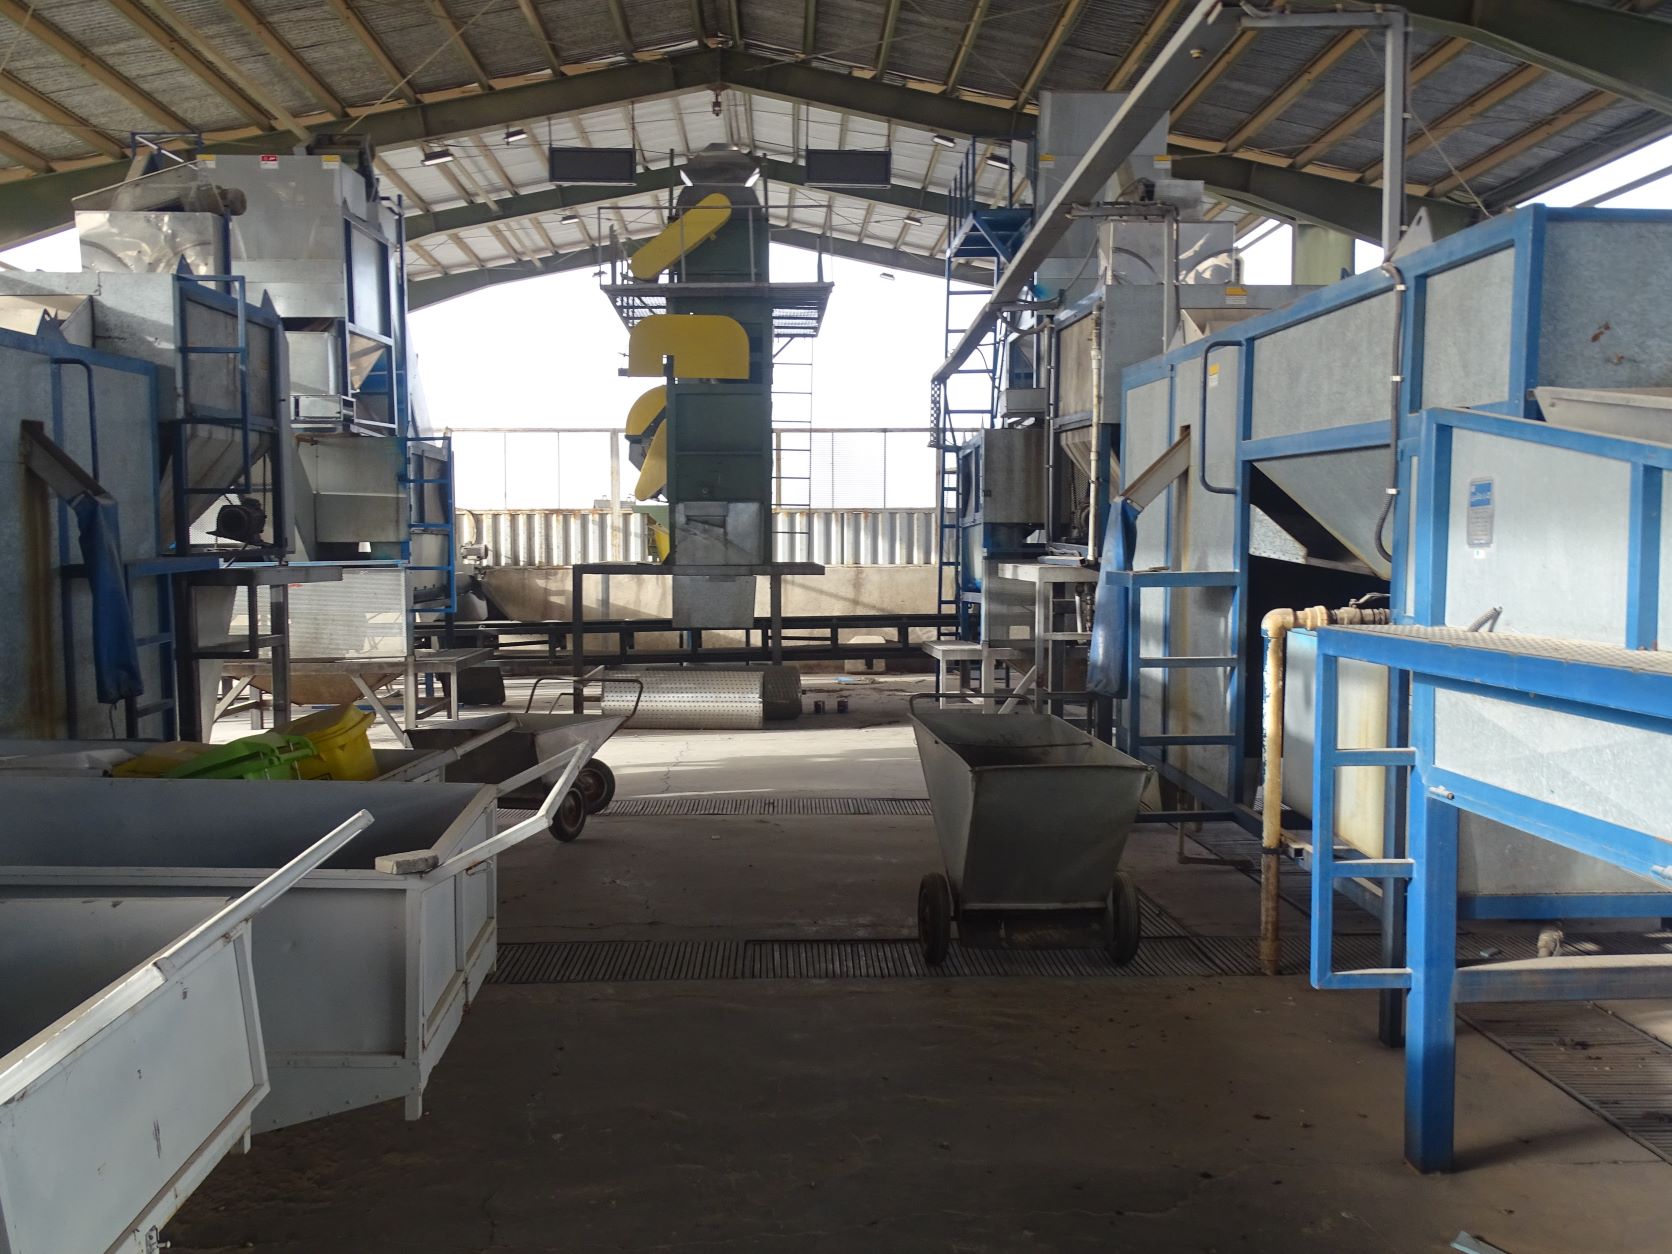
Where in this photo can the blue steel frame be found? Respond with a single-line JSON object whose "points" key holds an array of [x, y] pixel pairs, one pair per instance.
{"points": [[1612, 694], [59, 353], [1420, 575], [1523, 231]]}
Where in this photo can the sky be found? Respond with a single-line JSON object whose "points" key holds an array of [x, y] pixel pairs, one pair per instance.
{"points": [[545, 353]]}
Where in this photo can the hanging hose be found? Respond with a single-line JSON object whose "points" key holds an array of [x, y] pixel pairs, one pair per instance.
{"points": [[1275, 627], [1208, 346], [1396, 381]]}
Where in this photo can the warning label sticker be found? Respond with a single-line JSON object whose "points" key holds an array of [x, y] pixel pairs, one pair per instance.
{"points": [[1478, 529]]}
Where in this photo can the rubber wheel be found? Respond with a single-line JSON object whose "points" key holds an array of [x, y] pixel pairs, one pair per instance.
{"points": [[1121, 923], [570, 818], [597, 784], [934, 917]]}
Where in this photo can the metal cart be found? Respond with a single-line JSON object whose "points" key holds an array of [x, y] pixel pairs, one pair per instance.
{"points": [[518, 754], [1032, 815]]}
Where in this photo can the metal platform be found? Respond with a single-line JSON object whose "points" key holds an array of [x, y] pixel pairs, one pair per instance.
{"points": [[797, 308]]}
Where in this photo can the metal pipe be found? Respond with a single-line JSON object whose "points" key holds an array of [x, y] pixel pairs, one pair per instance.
{"points": [[1394, 109], [1275, 627], [1094, 535]]}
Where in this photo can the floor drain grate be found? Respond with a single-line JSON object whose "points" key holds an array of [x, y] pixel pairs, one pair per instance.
{"points": [[582, 962], [1604, 1063], [646, 807]]}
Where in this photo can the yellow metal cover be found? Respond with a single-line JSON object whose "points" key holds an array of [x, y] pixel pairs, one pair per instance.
{"points": [[693, 227], [645, 409], [653, 475], [703, 346]]}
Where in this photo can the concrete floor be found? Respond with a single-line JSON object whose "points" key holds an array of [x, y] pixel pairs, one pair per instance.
{"points": [[1143, 1114]]}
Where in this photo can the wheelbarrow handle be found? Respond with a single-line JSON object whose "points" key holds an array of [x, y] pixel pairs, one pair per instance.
{"points": [[573, 760]]}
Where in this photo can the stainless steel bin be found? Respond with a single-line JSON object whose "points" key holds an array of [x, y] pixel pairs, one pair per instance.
{"points": [[1032, 817], [131, 1056], [363, 969]]}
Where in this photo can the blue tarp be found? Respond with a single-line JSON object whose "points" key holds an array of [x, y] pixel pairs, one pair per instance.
{"points": [[115, 650]]}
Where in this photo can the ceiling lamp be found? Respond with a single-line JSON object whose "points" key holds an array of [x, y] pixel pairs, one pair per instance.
{"points": [[998, 162], [914, 219], [945, 141], [515, 135], [436, 156], [569, 218]]}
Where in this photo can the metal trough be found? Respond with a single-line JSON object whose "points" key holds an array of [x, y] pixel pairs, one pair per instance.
{"points": [[363, 969], [133, 1056], [1032, 816], [519, 754]]}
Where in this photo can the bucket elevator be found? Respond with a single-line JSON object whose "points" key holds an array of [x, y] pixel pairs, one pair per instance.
{"points": [[705, 318]]}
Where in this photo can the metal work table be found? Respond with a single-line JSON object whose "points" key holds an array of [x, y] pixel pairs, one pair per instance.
{"points": [[1046, 578], [447, 662], [774, 571]]}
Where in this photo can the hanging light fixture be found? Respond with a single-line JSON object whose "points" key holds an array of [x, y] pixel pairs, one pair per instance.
{"points": [[945, 141], [515, 135], [914, 219], [436, 156], [998, 162]]}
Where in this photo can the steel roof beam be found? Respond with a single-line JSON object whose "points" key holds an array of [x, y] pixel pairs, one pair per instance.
{"points": [[1353, 208], [1615, 50], [564, 199], [431, 291], [29, 207], [1207, 31], [885, 41]]}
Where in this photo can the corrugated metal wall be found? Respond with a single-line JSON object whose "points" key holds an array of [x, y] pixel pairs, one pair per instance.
{"points": [[834, 537]]}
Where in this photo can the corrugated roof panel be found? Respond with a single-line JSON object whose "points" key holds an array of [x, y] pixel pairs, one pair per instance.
{"points": [[656, 23], [1009, 44], [1077, 69], [415, 42], [233, 42], [926, 37], [132, 54], [500, 37], [328, 48]]}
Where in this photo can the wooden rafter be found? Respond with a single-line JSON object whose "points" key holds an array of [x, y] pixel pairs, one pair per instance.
{"points": [[58, 115], [401, 185], [1133, 59], [1054, 40], [1214, 73], [374, 47], [455, 37], [624, 32], [537, 28], [966, 44], [1493, 94], [286, 55], [1355, 119], [928, 177], [458, 242], [429, 257], [492, 158], [1585, 107], [193, 62], [1294, 88], [885, 41], [24, 155], [100, 71]]}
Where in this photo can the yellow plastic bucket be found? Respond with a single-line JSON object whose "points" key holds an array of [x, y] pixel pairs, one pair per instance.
{"points": [[340, 739], [160, 760]]}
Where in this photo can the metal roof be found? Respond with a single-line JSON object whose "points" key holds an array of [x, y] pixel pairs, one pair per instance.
{"points": [[81, 76]]}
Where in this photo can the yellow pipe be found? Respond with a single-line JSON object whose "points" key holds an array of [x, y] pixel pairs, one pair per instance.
{"points": [[696, 225]]}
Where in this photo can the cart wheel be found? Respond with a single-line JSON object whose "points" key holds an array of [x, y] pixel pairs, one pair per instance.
{"points": [[597, 784], [1121, 921], [570, 817], [934, 917]]}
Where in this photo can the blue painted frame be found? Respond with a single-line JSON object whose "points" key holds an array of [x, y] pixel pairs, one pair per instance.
{"points": [[1608, 690], [1524, 232]]}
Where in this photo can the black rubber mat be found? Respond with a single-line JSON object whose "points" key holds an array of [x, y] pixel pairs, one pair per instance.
{"points": [[582, 962], [1617, 1070]]}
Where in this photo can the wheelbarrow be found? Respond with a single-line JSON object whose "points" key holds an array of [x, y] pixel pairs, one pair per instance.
{"points": [[516, 754], [1032, 817]]}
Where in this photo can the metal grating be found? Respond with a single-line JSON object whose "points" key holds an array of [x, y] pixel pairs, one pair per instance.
{"points": [[1604, 1063], [584, 962], [645, 807]]}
